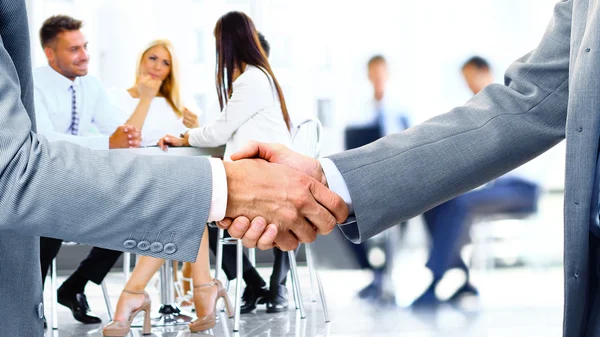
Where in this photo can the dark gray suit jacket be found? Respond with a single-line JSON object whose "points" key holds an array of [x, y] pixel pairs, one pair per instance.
{"points": [[61, 190], [550, 93]]}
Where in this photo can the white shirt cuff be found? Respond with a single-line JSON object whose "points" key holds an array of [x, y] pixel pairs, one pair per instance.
{"points": [[336, 182], [218, 204]]}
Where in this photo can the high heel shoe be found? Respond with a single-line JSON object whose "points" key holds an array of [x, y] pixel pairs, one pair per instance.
{"points": [[122, 328], [208, 321]]}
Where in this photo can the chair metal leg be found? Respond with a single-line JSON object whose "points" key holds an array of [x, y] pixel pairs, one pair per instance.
{"points": [[238, 285], [311, 271], [294, 293], [296, 283], [106, 300], [126, 266], [252, 256], [54, 295], [219, 255], [322, 295], [315, 272]]}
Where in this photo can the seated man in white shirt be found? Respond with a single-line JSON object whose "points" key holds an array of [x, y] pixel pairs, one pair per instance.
{"points": [[73, 106]]}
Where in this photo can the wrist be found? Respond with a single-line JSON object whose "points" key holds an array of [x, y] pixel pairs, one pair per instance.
{"points": [[111, 142], [186, 138], [146, 99], [230, 174], [320, 174]]}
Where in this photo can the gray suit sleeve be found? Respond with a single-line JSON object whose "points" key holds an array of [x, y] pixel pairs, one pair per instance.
{"points": [[403, 175], [99, 198]]}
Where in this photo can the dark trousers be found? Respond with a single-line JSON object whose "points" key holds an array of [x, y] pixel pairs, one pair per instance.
{"points": [[593, 324], [94, 267], [448, 224], [281, 265], [361, 250]]}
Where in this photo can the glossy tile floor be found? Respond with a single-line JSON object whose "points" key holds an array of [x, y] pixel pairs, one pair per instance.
{"points": [[514, 302]]}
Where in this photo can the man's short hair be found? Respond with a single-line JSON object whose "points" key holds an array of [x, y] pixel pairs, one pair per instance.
{"points": [[477, 62], [376, 59], [264, 43], [55, 25]]}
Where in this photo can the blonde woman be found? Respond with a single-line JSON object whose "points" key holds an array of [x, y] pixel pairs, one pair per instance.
{"points": [[253, 108], [155, 98], [155, 102]]}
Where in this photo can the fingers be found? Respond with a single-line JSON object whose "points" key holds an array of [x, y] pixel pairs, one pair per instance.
{"points": [[257, 227], [135, 143], [331, 201], [267, 240], [302, 229], [239, 227], [225, 223], [170, 140], [323, 222], [257, 150], [286, 241], [161, 143]]}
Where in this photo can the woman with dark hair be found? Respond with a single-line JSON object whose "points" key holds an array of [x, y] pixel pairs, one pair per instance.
{"points": [[252, 108]]}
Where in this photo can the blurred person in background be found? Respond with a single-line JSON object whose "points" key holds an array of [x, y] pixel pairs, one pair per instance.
{"points": [[253, 108], [448, 224], [72, 106], [256, 292], [380, 116]]}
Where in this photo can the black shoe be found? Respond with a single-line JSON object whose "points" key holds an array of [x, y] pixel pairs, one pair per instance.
{"points": [[371, 292], [252, 297], [427, 301], [278, 299], [45, 323], [79, 307], [465, 294]]}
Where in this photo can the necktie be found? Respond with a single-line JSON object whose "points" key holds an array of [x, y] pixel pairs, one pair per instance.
{"points": [[74, 116]]}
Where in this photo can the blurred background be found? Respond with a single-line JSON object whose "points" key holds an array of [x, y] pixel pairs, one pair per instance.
{"points": [[319, 52]]}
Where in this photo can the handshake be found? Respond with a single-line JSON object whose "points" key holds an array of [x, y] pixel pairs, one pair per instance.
{"points": [[278, 198]]}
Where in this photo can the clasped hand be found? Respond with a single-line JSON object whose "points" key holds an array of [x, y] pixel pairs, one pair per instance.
{"points": [[284, 193]]}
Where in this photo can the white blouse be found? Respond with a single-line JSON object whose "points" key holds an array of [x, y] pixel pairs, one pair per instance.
{"points": [[161, 118], [252, 113]]}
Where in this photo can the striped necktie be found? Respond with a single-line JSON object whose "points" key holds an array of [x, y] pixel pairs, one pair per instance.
{"points": [[74, 127]]}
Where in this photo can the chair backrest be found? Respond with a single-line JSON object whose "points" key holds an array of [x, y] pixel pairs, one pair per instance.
{"points": [[306, 138]]}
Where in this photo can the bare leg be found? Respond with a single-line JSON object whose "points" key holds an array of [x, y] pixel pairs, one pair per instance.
{"points": [[186, 273], [141, 275], [204, 301]]}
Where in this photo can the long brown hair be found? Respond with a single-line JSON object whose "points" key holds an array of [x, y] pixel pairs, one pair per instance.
{"points": [[170, 86], [238, 44]]}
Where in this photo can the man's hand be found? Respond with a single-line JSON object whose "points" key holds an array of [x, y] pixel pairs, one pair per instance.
{"points": [[277, 153], [126, 136], [297, 204]]}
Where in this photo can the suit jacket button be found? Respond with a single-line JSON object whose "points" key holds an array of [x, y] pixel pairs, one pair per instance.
{"points": [[170, 248], [156, 247], [40, 310], [143, 245], [129, 244]]}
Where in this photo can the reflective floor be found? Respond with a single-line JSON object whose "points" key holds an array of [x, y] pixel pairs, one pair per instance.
{"points": [[514, 302]]}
